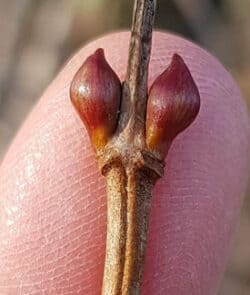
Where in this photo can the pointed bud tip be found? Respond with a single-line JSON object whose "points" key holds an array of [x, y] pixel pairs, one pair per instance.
{"points": [[98, 54], [95, 92], [99, 51], [177, 59], [173, 104]]}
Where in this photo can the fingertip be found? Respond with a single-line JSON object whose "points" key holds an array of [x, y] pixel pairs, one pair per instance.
{"points": [[50, 175]]}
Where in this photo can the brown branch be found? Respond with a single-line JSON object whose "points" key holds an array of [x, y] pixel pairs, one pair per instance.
{"points": [[116, 233], [134, 98], [131, 154], [127, 166]]}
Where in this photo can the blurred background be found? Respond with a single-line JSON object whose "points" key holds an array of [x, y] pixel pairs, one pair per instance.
{"points": [[38, 36]]}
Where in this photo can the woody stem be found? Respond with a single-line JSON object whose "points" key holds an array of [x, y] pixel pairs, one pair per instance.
{"points": [[128, 168]]}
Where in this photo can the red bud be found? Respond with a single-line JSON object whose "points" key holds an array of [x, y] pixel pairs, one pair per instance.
{"points": [[96, 93], [173, 104]]}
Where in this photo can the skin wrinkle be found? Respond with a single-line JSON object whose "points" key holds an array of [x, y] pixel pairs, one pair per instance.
{"points": [[56, 243]]}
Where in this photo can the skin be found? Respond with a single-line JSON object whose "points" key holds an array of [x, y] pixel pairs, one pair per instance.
{"points": [[52, 196]]}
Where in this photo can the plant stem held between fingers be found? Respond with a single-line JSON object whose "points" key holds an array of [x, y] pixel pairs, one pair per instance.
{"points": [[131, 148]]}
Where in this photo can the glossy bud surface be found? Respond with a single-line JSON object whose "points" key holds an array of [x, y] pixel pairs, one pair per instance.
{"points": [[173, 104], [96, 93]]}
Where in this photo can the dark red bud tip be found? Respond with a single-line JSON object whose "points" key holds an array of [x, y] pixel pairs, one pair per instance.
{"points": [[95, 92], [173, 104]]}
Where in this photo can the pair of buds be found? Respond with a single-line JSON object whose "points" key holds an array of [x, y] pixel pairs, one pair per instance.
{"points": [[173, 102]]}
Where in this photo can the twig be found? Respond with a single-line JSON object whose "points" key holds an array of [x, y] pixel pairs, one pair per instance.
{"points": [[131, 149], [134, 99], [129, 176], [129, 184]]}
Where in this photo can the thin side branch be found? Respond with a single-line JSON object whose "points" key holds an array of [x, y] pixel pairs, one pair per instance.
{"points": [[116, 234], [139, 186], [129, 168], [134, 99]]}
